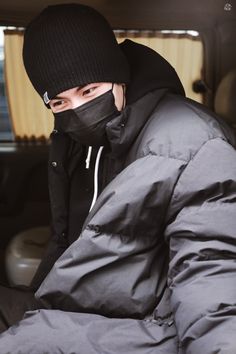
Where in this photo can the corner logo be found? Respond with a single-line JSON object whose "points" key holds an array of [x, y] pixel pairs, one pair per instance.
{"points": [[45, 97]]}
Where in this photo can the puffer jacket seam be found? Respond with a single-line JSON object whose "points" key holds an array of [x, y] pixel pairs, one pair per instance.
{"points": [[98, 230], [172, 195], [203, 315], [206, 208], [153, 153]]}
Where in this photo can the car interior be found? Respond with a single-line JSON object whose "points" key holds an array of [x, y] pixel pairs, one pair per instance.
{"points": [[196, 37]]}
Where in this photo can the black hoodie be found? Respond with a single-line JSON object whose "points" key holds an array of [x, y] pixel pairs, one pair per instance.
{"points": [[148, 71]]}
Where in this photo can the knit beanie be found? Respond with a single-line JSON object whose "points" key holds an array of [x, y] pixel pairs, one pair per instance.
{"points": [[70, 45]]}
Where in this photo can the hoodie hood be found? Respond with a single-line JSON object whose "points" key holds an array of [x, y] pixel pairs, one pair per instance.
{"points": [[148, 71]]}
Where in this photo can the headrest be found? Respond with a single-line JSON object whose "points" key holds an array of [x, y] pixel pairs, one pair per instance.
{"points": [[225, 98]]}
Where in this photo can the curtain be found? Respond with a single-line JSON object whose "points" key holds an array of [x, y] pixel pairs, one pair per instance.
{"points": [[183, 51], [31, 120]]}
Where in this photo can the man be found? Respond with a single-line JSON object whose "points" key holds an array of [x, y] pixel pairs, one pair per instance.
{"points": [[151, 176]]}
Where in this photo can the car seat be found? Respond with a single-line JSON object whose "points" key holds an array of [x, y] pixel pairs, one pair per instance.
{"points": [[224, 104], [24, 253]]}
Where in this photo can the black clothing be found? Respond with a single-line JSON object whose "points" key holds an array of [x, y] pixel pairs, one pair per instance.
{"points": [[14, 302], [153, 270]]}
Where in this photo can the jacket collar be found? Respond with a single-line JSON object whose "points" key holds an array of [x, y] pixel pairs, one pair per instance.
{"points": [[123, 130]]}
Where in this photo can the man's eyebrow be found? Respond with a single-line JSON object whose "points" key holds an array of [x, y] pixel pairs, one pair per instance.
{"points": [[59, 97]]}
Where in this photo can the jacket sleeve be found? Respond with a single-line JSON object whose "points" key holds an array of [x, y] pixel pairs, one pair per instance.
{"points": [[59, 332], [202, 237]]}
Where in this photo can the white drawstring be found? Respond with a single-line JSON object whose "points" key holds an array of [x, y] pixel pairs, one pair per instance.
{"points": [[95, 192], [87, 161]]}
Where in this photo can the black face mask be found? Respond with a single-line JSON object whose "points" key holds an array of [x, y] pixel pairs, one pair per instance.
{"points": [[87, 123]]}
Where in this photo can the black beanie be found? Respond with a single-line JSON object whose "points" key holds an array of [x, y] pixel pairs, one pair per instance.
{"points": [[70, 45]]}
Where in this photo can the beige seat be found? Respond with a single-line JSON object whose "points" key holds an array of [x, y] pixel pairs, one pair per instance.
{"points": [[225, 104], [24, 254]]}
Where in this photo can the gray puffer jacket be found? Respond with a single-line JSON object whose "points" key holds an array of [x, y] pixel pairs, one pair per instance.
{"points": [[154, 269]]}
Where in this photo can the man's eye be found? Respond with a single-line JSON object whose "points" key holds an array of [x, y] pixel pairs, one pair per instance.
{"points": [[57, 103], [89, 91]]}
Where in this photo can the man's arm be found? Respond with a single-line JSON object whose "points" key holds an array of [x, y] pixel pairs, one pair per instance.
{"points": [[202, 237]]}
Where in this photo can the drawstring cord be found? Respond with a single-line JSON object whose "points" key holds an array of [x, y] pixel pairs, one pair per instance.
{"points": [[95, 192], [87, 161]]}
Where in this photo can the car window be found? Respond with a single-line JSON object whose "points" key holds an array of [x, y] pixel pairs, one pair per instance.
{"points": [[5, 126]]}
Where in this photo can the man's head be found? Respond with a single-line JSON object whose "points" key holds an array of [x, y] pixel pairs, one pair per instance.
{"points": [[70, 46]]}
